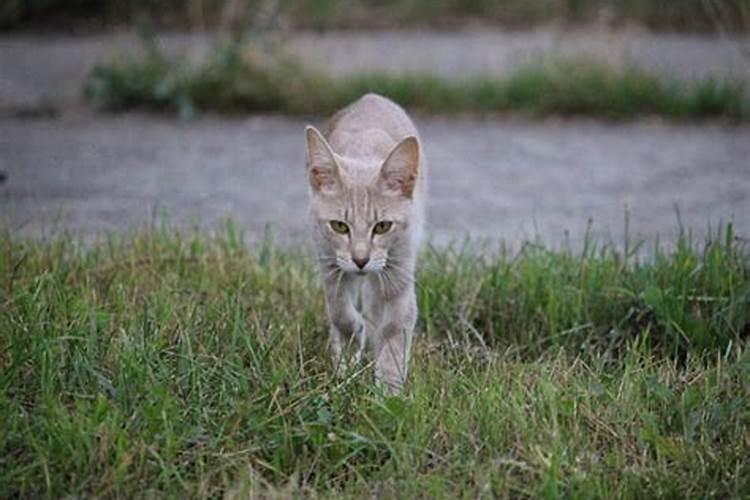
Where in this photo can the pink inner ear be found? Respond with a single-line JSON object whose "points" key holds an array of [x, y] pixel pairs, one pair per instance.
{"points": [[399, 172], [322, 178], [320, 161], [402, 182]]}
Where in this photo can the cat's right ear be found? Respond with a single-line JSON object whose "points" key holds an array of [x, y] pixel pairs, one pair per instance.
{"points": [[322, 170]]}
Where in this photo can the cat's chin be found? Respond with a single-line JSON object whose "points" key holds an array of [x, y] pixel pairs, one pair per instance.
{"points": [[356, 272], [360, 272]]}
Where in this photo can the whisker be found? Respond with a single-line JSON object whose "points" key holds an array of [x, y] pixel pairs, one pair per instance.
{"points": [[332, 271], [380, 282], [389, 280], [402, 273]]}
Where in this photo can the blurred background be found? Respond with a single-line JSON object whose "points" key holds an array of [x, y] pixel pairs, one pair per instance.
{"points": [[541, 119]]}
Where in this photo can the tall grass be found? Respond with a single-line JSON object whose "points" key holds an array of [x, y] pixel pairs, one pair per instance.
{"points": [[239, 81], [176, 364]]}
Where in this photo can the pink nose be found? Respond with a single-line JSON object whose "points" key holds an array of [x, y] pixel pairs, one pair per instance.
{"points": [[361, 263]]}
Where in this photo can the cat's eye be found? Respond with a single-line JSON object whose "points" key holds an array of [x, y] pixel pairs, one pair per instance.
{"points": [[382, 227], [339, 227]]}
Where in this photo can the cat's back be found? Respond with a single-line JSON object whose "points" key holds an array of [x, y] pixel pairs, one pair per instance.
{"points": [[371, 123]]}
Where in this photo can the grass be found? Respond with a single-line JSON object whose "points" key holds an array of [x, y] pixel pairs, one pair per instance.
{"points": [[237, 81], [180, 364]]}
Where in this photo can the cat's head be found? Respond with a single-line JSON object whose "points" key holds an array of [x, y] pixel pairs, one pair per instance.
{"points": [[363, 213]]}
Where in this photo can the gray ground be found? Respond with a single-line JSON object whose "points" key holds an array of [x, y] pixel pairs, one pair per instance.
{"points": [[501, 178], [506, 179]]}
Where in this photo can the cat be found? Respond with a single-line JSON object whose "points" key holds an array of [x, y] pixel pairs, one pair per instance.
{"points": [[366, 173]]}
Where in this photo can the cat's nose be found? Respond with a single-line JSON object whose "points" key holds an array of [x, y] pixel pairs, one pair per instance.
{"points": [[361, 262]]}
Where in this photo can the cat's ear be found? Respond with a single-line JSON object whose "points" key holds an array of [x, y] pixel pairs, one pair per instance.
{"points": [[399, 172], [322, 170]]}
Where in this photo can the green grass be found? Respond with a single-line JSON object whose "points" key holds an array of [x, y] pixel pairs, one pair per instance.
{"points": [[236, 81], [179, 364]]}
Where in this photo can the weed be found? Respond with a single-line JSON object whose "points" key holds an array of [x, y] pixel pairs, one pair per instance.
{"points": [[239, 81]]}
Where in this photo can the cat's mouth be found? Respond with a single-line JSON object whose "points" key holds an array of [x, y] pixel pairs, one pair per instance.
{"points": [[359, 272]]}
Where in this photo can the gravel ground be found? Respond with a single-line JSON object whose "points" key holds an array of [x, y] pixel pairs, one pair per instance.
{"points": [[506, 179]]}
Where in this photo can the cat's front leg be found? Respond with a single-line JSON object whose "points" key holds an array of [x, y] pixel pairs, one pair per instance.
{"points": [[347, 342], [347, 330], [393, 339]]}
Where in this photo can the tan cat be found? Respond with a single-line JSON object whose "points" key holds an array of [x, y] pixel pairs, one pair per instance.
{"points": [[367, 189]]}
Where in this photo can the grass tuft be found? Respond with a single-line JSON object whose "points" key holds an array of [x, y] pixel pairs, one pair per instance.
{"points": [[237, 81], [176, 364]]}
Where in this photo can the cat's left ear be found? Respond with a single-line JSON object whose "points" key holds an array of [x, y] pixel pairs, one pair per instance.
{"points": [[323, 172], [399, 172]]}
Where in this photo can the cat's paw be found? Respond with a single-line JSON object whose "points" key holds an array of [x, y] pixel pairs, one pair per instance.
{"points": [[347, 361], [389, 382]]}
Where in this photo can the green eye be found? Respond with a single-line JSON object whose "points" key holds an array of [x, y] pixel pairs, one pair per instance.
{"points": [[382, 227], [339, 227]]}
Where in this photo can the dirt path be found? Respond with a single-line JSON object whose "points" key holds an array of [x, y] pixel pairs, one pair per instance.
{"points": [[500, 179]]}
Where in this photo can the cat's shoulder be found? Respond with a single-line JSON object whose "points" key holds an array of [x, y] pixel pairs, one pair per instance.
{"points": [[371, 111], [376, 103]]}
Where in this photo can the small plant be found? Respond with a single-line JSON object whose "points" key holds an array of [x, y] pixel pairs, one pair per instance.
{"points": [[235, 79]]}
